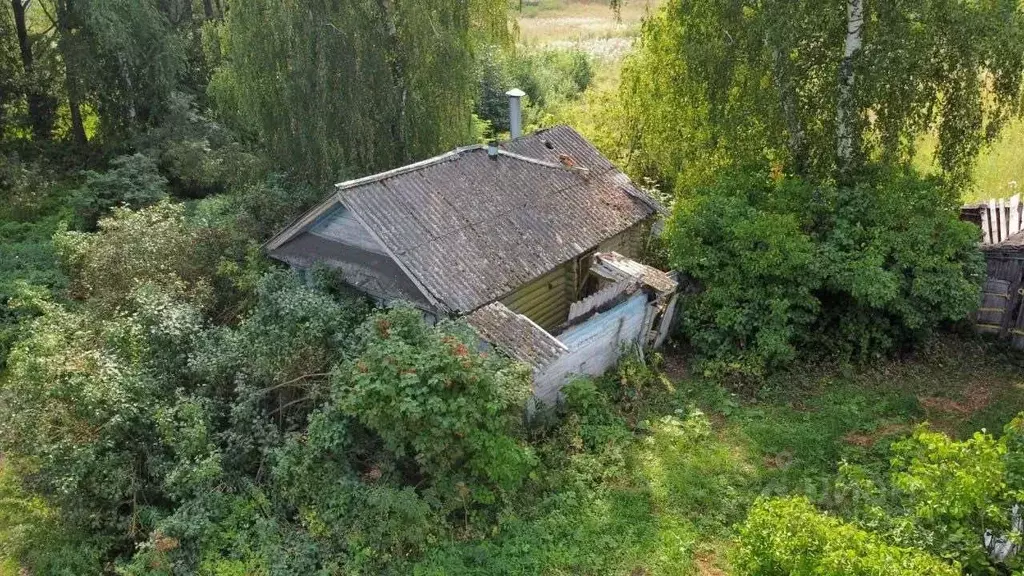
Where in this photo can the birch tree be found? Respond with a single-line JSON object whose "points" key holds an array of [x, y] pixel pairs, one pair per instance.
{"points": [[818, 88]]}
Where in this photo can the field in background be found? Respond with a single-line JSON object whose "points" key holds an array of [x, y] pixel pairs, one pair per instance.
{"points": [[592, 26]]}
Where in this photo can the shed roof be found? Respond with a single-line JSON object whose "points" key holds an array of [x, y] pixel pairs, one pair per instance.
{"points": [[469, 228], [516, 335]]}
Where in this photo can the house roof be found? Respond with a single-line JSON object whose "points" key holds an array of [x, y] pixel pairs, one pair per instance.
{"points": [[468, 228], [516, 335]]}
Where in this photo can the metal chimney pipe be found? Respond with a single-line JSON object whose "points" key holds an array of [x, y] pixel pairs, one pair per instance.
{"points": [[515, 111]]}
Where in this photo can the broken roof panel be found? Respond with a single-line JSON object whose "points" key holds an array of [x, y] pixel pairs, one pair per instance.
{"points": [[617, 267], [470, 228], [516, 335]]}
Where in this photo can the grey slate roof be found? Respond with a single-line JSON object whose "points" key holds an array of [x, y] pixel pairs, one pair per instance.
{"points": [[469, 229], [516, 335]]}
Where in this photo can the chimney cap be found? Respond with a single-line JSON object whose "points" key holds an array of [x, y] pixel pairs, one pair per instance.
{"points": [[515, 93]]}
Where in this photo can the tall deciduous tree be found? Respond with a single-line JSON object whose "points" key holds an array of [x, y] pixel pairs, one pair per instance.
{"points": [[348, 87], [821, 87]]}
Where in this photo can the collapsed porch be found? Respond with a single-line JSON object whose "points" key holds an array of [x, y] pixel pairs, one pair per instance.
{"points": [[632, 305]]}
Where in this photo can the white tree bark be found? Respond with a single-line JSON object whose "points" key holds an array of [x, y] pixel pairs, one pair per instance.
{"points": [[846, 106]]}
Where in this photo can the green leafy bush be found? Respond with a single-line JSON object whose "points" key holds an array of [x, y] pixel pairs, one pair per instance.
{"points": [[433, 398], [133, 181], [155, 246], [199, 156], [942, 495], [784, 266], [789, 537]]}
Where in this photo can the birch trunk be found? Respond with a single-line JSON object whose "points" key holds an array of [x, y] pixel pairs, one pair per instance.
{"points": [[846, 129]]}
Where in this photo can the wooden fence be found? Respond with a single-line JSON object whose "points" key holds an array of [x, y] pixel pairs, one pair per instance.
{"points": [[998, 218]]}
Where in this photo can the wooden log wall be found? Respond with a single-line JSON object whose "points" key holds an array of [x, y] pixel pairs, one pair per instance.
{"points": [[546, 300]]}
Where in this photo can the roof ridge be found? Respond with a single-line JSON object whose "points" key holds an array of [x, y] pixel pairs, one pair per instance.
{"points": [[450, 155]]}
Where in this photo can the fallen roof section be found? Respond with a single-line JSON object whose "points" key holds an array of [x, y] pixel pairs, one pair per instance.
{"points": [[616, 267], [516, 335]]}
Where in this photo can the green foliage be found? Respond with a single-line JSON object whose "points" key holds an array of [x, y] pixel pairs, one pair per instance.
{"points": [[133, 181], [125, 56], [722, 83], [941, 494], [433, 398], [79, 405], [270, 371], [336, 89], [262, 208], [549, 77], [783, 266], [199, 156], [156, 246], [788, 536], [31, 535]]}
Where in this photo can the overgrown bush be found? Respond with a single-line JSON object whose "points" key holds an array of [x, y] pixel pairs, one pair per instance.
{"points": [[943, 495], [789, 537], [785, 267], [435, 400], [199, 156], [155, 246], [133, 181]]}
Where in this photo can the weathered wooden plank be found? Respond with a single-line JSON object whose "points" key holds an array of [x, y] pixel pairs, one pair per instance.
{"points": [[993, 220], [666, 321], [1004, 216], [1015, 214], [599, 298], [986, 229]]}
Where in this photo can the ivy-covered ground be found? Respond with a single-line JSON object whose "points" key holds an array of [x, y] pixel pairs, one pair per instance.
{"points": [[654, 478]]}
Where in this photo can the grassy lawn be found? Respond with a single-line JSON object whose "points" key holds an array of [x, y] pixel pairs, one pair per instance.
{"points": [[656, 485]]}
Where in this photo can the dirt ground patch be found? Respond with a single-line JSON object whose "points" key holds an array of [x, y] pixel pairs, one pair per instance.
{"points": [[707, 565], [975, 398], [869, 439]]}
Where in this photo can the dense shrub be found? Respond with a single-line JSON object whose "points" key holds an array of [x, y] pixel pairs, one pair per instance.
{"points": [[432, 398], [134, 181], [78, 407], [943, 495], [789, 537], [270, 371], [154, 246], [784, 266], [199, 156]]}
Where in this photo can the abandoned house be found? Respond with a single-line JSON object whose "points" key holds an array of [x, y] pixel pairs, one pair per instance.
{"points": [[530, 240]]}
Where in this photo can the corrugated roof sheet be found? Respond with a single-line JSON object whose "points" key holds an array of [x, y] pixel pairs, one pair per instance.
{"points": [[471, 229], [515, 335]]}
